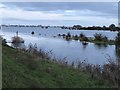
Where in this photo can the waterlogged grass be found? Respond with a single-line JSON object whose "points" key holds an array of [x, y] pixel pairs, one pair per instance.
{"points": [[108, 42], [25, 70]]}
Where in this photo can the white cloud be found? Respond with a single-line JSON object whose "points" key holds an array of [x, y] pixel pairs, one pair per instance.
{"points": [[27, 15], [70, 11], [94, 17]]}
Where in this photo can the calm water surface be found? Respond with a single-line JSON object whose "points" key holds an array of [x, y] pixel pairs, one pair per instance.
{"points": [[72, 50]]}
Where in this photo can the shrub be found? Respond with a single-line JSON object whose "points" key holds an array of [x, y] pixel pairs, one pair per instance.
{"points": [[85, 39], [17, 39], [81, 35], [105, 38], [68, 35], [76, 37], [100, 37]]}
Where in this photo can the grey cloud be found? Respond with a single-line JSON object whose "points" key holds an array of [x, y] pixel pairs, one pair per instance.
{"points": [[105, 7]]}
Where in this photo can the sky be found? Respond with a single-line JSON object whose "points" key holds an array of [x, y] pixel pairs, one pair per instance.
{"points": [[60, 13]]}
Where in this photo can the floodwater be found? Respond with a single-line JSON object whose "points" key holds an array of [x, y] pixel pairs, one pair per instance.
{"points": [[47, 40]]}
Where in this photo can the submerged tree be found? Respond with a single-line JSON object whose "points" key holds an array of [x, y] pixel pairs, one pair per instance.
{"points": [[81, 35], [100, 37], [68, 35]]}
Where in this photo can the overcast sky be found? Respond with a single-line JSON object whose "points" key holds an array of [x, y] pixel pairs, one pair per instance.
{"points": [[60, 13]]}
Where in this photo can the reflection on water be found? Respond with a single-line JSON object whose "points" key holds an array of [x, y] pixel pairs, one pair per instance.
{"points": [[100, 46], [84, 45]]}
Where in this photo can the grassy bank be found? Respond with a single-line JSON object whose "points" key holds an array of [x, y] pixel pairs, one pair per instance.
{"points": [[22, 69]]}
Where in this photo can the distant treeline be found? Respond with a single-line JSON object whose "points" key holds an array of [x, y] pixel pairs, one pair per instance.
{"points": [[25, 26], [111, 27]]}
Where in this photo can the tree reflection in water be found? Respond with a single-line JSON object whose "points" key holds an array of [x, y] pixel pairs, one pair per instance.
{"points": [[100, 46], [84, 45]]}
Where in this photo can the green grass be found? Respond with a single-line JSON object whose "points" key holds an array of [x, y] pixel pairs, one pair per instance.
{"points": [[24, 70], [109, 42]]}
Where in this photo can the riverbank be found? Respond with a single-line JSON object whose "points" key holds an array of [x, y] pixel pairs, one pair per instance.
{"points": [[25, 70]]}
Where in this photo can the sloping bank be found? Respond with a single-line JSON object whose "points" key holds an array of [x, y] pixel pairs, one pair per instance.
{"points": [[24, 70]]}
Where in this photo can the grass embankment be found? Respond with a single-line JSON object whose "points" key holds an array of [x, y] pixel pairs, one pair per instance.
{"points": [[25, 70]]}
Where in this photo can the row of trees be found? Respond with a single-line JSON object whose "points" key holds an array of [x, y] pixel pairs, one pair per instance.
{"points": [[44, 27], [111, 27]]}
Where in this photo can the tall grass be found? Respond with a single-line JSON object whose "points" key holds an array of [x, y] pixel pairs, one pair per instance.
{"points": [[108, 72]]}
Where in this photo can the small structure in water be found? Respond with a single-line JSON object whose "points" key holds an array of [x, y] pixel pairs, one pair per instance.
{"points": [[32, 33], [59, 35], [84, 43]]}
